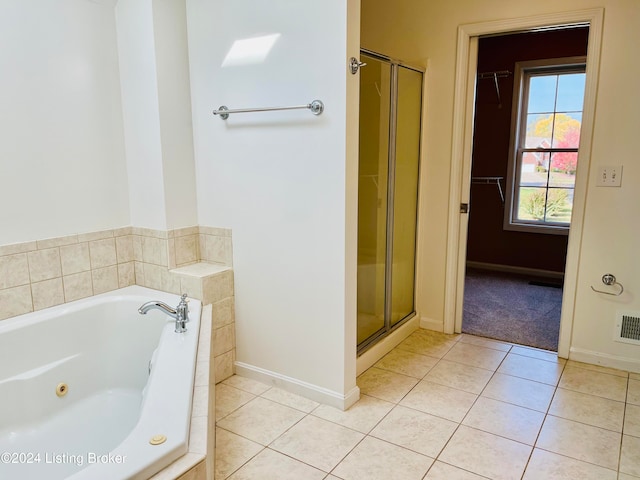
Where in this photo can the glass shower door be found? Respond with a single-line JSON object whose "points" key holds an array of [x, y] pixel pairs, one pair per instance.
{"points": [[390, 112], [375, 104], [405, 188]]}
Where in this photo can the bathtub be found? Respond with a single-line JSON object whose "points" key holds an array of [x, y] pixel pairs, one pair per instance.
{"points": [[85, 387]]}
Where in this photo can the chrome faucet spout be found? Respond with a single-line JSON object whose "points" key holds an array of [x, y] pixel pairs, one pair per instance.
{"points": [[180, 313], [157, 305]]}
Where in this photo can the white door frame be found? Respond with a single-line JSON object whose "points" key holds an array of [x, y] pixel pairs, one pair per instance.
{"points": [[463, 112]]}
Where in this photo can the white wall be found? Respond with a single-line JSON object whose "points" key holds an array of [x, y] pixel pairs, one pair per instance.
{"points": [[141, 113], [416, 31], [62, 164], [154, 72], [279, 180], [174, 96]]}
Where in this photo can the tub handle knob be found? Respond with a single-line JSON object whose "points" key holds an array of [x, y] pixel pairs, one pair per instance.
{"points": [[182, 314], [183, 307]]}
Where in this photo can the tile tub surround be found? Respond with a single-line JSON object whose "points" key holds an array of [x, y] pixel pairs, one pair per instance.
{"points": [[198, 462], [213, 285], [44, 273], [194, 260]]}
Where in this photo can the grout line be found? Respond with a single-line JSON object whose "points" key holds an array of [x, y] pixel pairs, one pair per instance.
{"points": [[395, 404], [624, 417], [456, 467], [246, 461], [544, 420]]}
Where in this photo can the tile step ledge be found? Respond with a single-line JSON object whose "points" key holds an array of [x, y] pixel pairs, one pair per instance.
{"points": [[201, 269]]}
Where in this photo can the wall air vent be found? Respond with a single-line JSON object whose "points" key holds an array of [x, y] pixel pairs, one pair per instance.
{"points": [[627, 327]]}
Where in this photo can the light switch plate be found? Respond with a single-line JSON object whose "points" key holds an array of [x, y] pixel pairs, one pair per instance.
{"points": [[609, 176]]}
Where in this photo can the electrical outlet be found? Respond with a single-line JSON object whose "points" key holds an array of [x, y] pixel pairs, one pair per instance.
{"points": [[610, 176]]}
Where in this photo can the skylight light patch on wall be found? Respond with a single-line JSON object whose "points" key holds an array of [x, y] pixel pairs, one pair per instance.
{"points": [[250, 51]]}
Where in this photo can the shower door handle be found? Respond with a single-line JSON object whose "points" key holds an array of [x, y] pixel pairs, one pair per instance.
{"points": [[355, 64]]}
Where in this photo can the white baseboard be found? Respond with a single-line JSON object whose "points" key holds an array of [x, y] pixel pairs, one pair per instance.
{"points": [[535, 272], [384, 346], [604, 359], [430, 324], [293, 385]]}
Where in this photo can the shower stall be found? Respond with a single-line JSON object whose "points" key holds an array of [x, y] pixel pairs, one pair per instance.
{"points": [[390, 114]]}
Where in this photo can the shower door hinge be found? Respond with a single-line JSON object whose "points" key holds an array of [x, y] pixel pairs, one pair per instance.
{"points": [[464, 208]]}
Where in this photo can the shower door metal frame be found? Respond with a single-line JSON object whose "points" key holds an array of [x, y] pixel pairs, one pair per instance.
{"points": [[391, 164]]}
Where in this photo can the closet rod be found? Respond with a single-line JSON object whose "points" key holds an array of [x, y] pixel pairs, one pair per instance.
{"points": [[495, 75], [490, 181]]}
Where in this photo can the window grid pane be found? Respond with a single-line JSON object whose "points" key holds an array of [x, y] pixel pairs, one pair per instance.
{"points": [[546, 176], [559, 205]]}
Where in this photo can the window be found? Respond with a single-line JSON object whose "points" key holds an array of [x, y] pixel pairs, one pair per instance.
{"points": [[546, 122]]}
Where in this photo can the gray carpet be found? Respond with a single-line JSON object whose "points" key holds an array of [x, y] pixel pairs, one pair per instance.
{"points": [[512, 308]]}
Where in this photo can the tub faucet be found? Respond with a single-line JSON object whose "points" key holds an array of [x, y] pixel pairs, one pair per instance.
{"points": [[180, 313]]}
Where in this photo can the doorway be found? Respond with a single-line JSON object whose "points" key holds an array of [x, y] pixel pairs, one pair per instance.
{"points": [[460, 174], [390, 113], [527, 117]]}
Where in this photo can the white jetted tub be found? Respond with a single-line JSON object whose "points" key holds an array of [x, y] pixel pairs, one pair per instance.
{"points": [[85, 387]]}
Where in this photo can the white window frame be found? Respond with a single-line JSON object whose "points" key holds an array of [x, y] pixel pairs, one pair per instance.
{"points": [[518, 134]]}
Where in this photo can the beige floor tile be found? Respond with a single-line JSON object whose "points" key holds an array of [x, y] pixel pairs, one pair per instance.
{"points": [[537, 353], [270, 465], [385, 385], [634, 375], [417, 431], [531, 369], [460, 376], [229, 399], [594, 383], [375, 459], [475, 356], [486, 454], [232, 451], [624, 476], [598, 368], [589, 409], [317, 442], [630, 458], [428, 343], [519, 391], [504, 419], [407, 363], [485, 342], [443, 471], [633, 392], [580, 441], [290, 399], [632, 420], [261, 420], [247, 384], [362, 416], [550, 466], [439, 400]]}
